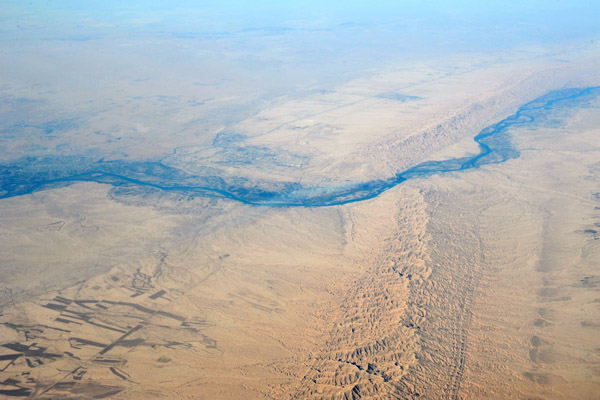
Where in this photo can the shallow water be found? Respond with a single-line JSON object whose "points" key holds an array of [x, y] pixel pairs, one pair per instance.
{"points": [[32, 174]]}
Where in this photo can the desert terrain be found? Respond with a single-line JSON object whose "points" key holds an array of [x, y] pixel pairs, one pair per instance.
{"points": [[427, 228], [472, 284]]}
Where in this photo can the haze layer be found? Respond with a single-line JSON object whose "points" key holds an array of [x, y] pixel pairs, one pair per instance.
{"points": [[309, 201]]}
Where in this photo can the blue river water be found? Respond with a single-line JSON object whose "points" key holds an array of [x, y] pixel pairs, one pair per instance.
{"points": [[31, 174]]}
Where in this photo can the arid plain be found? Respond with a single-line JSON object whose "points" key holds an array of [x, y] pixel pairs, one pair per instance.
{"points": [[480, 283]]}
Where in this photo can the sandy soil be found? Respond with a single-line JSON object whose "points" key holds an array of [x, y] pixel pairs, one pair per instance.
{"points": [[478, 284]]}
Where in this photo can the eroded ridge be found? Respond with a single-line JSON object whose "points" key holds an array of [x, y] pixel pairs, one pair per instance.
{"points": [[374, 341], [403, 330]]}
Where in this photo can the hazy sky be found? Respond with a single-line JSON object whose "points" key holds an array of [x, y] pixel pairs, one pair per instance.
{"points": [[380, 24], [150, 59], [306, 40], [332, 38]]}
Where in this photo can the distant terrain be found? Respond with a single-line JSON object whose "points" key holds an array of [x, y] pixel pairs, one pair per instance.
{"points": [[322, 200]]}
